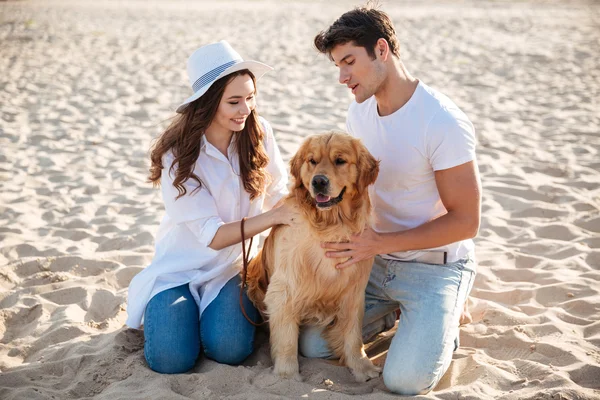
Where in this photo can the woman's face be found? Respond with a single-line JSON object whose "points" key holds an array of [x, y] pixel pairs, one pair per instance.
{"points": [[236, 104]]}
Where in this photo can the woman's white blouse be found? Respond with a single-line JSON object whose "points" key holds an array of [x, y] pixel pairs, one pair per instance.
{"points": [[190, 223]]}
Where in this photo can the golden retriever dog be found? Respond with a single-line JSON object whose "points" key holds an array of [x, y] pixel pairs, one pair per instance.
{"points": [[331, 173]]}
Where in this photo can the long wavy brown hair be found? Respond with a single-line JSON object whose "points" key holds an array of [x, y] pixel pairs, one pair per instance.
{"points": [[183, 136]]}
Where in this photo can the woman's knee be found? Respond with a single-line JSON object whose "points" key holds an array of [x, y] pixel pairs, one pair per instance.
{"points": [[168, 362], [224, 351], [227, 337], [171, 331]]}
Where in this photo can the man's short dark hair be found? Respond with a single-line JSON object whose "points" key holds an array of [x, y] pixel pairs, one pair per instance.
{"points": [[363, 26]]}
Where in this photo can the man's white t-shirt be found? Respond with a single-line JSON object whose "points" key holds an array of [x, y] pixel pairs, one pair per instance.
{"points": [[427, 134]]}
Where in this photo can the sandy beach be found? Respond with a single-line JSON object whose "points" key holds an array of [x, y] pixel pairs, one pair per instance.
{"points": [[85, 87]]}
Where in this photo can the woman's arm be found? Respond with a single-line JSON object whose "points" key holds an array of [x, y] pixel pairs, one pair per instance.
{"points": [[229, 234]]}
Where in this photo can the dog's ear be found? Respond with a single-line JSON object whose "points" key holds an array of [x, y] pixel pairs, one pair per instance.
{"points": [[296, 164], [368, 166]]}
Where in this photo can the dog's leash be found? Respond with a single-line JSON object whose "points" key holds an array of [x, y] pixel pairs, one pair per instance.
{"points": [[245, 256]]}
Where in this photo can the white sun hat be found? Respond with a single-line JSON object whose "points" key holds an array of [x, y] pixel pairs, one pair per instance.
{"points": [[214, 61]]}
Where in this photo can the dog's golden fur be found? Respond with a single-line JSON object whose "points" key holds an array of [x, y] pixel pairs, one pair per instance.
{"points": [[304, 286]]}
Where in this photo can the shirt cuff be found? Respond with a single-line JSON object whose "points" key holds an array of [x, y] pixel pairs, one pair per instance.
{"points": [[205, 229]]}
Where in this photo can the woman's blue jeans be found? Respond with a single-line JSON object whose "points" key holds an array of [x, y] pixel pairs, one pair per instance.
{"points": [[174, 335]]}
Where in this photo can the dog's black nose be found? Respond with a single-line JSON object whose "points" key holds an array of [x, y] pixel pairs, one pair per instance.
{"points": [[320, 182]]}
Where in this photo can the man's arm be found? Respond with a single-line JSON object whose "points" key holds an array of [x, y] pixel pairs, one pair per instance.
{"points": [[460, 191]]}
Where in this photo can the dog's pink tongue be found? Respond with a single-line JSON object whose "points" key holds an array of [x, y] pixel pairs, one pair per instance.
{"points": [[321, 198]]}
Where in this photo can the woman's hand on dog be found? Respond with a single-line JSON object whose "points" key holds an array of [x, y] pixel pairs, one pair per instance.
{"points": [[360, 247], [286, 214]]}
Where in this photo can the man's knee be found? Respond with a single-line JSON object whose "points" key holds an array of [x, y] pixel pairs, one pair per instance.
{"points": [[409, 381], [311, 344]]}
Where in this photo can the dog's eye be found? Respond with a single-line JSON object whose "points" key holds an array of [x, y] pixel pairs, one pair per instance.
{"points": [[312, 161], [340, 161]]}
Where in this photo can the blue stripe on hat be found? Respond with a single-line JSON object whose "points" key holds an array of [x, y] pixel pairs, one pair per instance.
{"points": [[211, 75]]}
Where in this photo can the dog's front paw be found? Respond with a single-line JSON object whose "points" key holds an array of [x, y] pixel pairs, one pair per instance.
{"points": [[365, 370], [288, 369]]}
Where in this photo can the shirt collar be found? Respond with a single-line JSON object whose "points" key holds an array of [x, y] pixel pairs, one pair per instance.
{"points": [[212, 151]]}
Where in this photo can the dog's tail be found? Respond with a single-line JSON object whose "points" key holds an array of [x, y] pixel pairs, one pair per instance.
{"points": [[259, 273]]}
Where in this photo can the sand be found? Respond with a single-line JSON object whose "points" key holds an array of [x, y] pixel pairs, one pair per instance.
{"points": [[85, 86]]}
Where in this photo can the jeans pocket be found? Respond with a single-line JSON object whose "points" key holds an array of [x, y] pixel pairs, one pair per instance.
{"points": [[390, 274], [467, 263], [462, 264], [459, 265]]}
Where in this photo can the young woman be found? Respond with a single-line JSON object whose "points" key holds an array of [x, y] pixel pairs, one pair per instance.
{"points": [[216, 163]]}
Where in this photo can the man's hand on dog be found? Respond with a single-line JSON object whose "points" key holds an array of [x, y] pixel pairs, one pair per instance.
{"points": [[360, 247]]}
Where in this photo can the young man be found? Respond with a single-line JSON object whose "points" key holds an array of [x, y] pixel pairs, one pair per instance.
{"points": [[426, 201]]}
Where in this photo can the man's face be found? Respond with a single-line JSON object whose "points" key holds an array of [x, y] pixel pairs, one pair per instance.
{"points": [[358, 71]]}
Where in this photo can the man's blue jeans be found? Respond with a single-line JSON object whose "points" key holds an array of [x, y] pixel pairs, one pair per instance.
{"points": [[431, 299], [174, 335]]}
